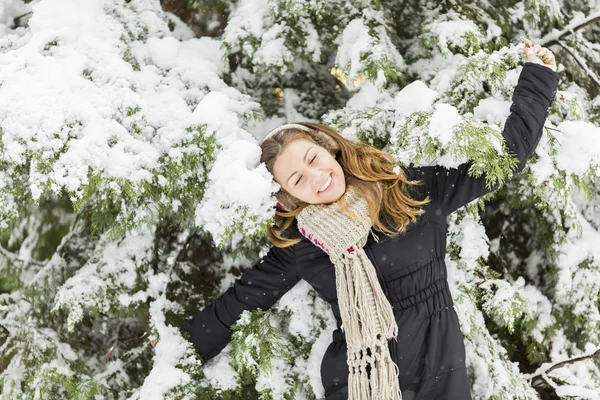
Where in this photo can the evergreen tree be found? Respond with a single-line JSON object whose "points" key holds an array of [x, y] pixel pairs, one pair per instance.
{"points": [[131, 193]]}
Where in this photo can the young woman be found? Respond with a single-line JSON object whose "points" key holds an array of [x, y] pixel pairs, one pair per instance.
{"points": [[387, 286]]}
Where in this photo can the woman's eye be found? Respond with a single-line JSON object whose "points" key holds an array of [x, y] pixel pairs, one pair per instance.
{"points": [[313, 159]]}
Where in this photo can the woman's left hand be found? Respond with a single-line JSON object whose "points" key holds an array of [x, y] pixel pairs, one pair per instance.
{"points": [[539, 55]]}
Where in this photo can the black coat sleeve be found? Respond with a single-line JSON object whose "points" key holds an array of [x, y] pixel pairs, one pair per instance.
{"points": [[452, 188], [258, 288]]}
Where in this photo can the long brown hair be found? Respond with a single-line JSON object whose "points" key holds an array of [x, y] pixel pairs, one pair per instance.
{"points": [[364, 167]]}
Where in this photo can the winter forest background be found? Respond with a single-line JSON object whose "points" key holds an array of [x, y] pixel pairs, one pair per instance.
{"points": [[131, 193]]}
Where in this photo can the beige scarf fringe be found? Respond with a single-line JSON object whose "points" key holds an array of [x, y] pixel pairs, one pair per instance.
{"points": [[367, 317]]}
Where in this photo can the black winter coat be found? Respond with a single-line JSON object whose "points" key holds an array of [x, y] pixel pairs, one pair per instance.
{"points": [[430, 352]]}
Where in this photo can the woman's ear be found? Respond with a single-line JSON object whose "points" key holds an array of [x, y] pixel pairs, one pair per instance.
{"points": [[326, 141], [287, 201]]}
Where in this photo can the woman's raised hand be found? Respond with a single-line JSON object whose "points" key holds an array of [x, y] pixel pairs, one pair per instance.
{"points": [[539, 55]]}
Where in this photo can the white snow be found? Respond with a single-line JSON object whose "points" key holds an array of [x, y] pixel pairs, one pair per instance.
{"points": [[416, 96], [105, 88]]}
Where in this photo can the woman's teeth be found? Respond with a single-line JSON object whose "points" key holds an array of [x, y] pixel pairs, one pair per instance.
{"points": [[326, 184]]}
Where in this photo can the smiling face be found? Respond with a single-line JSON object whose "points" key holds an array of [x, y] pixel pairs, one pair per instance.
{"points": [[303, 168]]}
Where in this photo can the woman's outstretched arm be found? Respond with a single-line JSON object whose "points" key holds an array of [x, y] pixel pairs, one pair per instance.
{"points": [[452, 188], [258, 288]]}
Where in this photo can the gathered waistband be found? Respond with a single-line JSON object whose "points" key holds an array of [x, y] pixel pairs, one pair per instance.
{"points": [[433, 298], [436, 296]]}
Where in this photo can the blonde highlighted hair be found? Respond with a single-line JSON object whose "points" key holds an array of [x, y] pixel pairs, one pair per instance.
{"points": [[366, 168]]}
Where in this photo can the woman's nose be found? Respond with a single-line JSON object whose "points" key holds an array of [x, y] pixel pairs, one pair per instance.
{"points": [[319, 179]]}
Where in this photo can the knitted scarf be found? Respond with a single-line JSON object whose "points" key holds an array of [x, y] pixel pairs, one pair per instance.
{"points": [[367, 318]]}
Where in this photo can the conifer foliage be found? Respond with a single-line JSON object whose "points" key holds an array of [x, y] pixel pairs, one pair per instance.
{"points": [[131, 193]]}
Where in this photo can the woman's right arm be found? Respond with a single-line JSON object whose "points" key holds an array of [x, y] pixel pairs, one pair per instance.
{"points": [[258, 288]]}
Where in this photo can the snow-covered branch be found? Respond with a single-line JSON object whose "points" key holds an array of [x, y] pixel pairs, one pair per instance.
{"points": [[541, 374], [15, 259], [579, 61], [555, 37]]}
